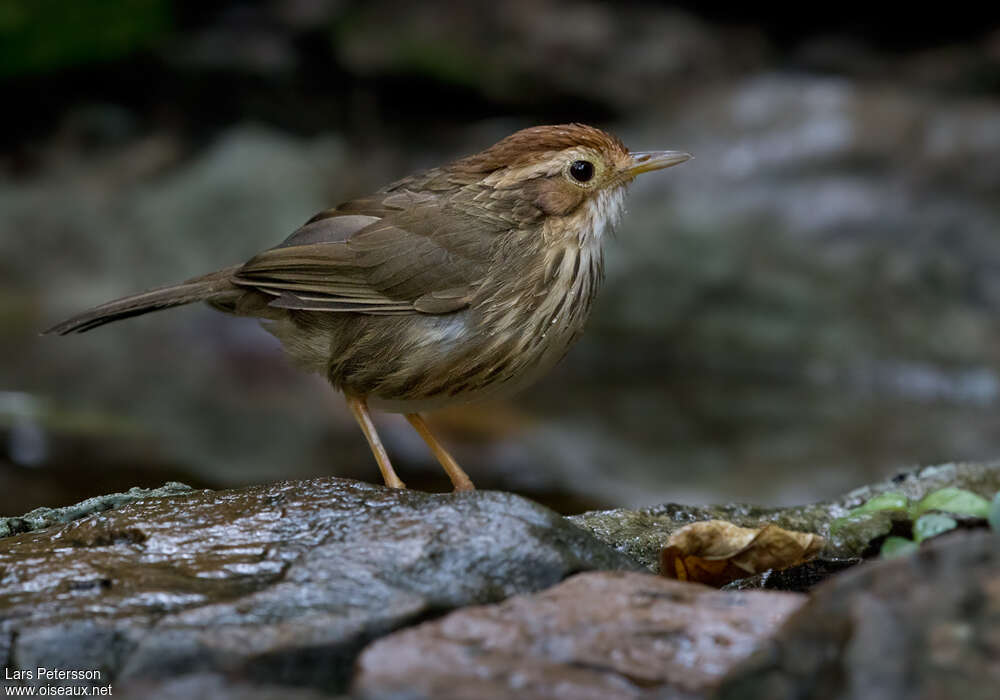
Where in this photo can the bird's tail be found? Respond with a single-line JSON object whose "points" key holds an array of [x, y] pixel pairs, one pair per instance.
{"points": [[213, 287]]}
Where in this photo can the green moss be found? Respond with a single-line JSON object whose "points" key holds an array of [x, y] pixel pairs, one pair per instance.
{"points": [[932, 525], [926, 524], [898, 547], [953, 500], [38, 36]]}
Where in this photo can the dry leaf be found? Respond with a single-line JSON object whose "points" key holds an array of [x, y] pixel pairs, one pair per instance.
{"points": [[717, 552]]}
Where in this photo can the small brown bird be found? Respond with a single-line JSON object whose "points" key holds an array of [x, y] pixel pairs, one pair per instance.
{"points": [[462, 282]]}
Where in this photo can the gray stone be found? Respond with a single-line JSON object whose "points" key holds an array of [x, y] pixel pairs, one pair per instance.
{"points": [[642, 533], [599, 635], [923, 626], [279, 584]]}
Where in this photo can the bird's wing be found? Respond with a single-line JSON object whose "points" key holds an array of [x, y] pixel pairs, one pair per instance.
{"points": [[398, 252]]}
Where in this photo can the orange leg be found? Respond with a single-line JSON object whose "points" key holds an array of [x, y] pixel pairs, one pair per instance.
{"points": [[459, 478], [359, 408]]}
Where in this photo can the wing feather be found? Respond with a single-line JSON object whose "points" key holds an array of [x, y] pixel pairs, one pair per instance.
{"points": [[402, 252]]}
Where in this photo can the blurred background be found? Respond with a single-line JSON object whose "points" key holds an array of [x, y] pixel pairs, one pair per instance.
{"points": [[811, 304]]}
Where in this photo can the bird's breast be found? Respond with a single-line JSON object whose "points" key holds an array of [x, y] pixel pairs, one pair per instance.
{"points": [[505, 342], [528, 328]]}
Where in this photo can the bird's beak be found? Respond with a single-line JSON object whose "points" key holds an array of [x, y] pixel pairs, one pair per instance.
{"points": [[644, 161]]}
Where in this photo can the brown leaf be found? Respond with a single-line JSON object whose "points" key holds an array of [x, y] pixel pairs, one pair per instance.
{"points": [[717, 552]]}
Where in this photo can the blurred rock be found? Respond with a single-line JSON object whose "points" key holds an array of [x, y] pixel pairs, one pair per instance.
{"points": [[641, 534], [800, 181], [279, 584], [597, 635], [924, 626]]}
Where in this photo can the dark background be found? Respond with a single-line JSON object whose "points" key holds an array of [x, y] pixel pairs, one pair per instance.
{"points": [[810, 304]]}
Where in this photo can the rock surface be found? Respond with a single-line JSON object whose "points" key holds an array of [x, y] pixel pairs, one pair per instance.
{"points": [[924, 627], [277, 584], [215, 686], [300, 589], [642, 533], [41, 518], [598, 635]]}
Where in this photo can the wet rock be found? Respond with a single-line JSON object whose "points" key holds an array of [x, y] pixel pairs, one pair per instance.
{"points": [[642, 533], [924, 626], [596, 635], [41, 518], [276, 584]]}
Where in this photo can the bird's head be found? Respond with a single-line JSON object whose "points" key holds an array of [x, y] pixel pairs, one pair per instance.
{"points": [[568, 171]]}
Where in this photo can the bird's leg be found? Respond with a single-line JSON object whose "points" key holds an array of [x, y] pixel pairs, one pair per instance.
{"points": [[359, 408], [459, 479]]}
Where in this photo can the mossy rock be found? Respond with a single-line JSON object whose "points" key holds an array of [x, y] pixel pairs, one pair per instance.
{"points": [[642, 533]]}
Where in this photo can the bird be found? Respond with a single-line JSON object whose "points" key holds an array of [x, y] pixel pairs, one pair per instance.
{"points": [[459, 283]]}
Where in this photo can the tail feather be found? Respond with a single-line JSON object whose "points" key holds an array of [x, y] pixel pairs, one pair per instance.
{"points": [[216, 286]]}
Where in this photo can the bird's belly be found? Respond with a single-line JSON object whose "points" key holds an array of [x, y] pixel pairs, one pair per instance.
{"points": [[482, 386], [456, 364]]}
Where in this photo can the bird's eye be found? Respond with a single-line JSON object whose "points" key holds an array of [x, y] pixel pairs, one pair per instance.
{"points": [[581, 170]]}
